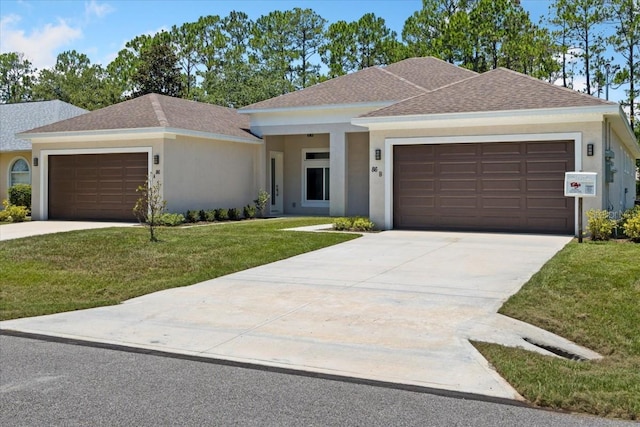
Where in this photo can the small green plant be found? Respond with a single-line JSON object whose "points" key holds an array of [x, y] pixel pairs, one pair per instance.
{"points": [[170, 219], [341, 224], [12, 213], [249, 212], [234, 214], [222, 214], [600, 224], [362, 224], [192, 216], [631, 223], [353, 224], [20, 195], [261, 202], [150, 206]]}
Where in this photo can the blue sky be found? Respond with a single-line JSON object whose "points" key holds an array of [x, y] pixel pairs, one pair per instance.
{"points": [[41, 29]]}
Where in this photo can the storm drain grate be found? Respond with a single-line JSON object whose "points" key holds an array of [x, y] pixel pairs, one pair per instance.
{"points": [[557, 351]]}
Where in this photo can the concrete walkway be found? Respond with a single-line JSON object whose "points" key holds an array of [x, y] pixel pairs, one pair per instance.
{"points": [[37, 228], [395, 306]]}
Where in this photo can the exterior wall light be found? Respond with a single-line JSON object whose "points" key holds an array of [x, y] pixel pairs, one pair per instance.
{"points": [[378, 154], [156, 159], [589, 149], [35, 161]]}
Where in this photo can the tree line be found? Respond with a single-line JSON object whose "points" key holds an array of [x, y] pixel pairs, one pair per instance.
{"points": [[235, 61]]}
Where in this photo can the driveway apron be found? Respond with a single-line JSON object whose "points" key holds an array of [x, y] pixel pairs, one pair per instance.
{"points": [[395, 306]]}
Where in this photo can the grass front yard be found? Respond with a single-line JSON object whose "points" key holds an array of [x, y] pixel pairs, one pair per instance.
{"points": [[82, 269], [590, 294]]}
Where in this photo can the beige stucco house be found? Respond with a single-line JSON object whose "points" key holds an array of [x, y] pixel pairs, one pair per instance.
{"points": [[90, 166], [15, 153], [420, 144]]}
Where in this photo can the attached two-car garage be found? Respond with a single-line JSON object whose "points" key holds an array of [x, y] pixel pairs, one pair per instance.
{"points": [[95, 186], [496, 186]]}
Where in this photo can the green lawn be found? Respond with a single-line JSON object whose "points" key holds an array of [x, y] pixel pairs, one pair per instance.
{"points": [[590, 294], [82, 269]]}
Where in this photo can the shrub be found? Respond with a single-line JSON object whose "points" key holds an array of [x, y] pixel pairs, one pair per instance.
{"points": [[261, 202], [210, 215], [192, 216], [221, 214], [150, 205], [171, 219], [631, 223], [234, 214], [362, 224], [249, 211], [13, 213], [600, 225], [20, 195], [341, 224], [202, 215]]}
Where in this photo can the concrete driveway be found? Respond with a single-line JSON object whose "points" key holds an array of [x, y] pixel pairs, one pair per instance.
{"points": [[395, 306], [37, 228]]}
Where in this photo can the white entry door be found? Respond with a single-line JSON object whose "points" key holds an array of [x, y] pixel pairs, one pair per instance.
{"points": [[276, 174]]}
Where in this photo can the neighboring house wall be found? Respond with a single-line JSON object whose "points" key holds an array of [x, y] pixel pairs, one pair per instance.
{"points": [[380, 184], [208, 174], [7, 160]]}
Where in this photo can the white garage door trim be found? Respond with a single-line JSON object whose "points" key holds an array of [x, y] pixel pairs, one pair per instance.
{"points": [[389, 143], [44, 167]]}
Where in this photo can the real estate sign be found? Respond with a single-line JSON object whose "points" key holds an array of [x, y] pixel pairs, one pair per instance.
{"points": [[580, 184]]}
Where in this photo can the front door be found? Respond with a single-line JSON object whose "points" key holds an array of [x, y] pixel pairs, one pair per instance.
{"points": [[276, 174]]}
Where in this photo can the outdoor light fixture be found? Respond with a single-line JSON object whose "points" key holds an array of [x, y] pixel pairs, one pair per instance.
{"points": [[589, 149], [156, 159], [378, 154], [35, 161]]}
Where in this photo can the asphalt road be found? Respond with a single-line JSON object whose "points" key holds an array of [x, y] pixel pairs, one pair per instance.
{"points": [[46, 383]]}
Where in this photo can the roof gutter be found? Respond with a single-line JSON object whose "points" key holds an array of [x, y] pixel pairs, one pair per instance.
{"points": [[137, 133]]}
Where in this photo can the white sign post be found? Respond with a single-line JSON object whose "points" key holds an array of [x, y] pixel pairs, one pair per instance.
{"points": [[580, 184]]}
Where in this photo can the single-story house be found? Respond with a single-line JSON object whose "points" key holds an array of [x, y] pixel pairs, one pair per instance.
{"points": [[419, 144], [15, 153]]}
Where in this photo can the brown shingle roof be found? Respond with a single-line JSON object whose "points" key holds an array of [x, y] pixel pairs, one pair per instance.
{"points": [[495, 90], [395, 82], [158, 111]]}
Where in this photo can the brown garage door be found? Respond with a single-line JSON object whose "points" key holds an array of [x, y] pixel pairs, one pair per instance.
{"points": [[507, 186], [95, 186]]}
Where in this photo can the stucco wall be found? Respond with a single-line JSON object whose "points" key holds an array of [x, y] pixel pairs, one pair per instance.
{"points": [[6, 161], [358, 174], [591, 132], [620, 194], [208, 174], [43, 150]]}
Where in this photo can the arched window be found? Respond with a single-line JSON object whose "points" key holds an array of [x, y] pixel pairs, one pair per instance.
{"points": [[19, 173]]}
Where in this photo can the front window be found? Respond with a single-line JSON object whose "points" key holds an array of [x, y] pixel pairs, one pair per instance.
{"points": [[19, 173], [316, 177]]}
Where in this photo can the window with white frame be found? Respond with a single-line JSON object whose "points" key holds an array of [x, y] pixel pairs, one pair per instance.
{"points": [[19, 172], [315, 177]]}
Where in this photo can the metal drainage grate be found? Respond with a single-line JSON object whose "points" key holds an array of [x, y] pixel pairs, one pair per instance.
{"points": [[557, 351]]}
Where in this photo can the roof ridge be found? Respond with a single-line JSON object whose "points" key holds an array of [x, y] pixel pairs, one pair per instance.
{"points": [[402, 79], [157, 109]]}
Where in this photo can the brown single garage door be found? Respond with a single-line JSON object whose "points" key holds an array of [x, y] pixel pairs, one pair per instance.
{"points": [[95, 186], [506, 186]]}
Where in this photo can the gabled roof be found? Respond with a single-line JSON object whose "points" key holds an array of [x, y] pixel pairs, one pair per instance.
{"points": [[495, 90], [155, 111], [395, 82], [19, 117]]}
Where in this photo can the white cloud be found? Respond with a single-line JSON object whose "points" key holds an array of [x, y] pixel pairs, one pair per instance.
{"points": [[40, 45], [100, 10]]}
